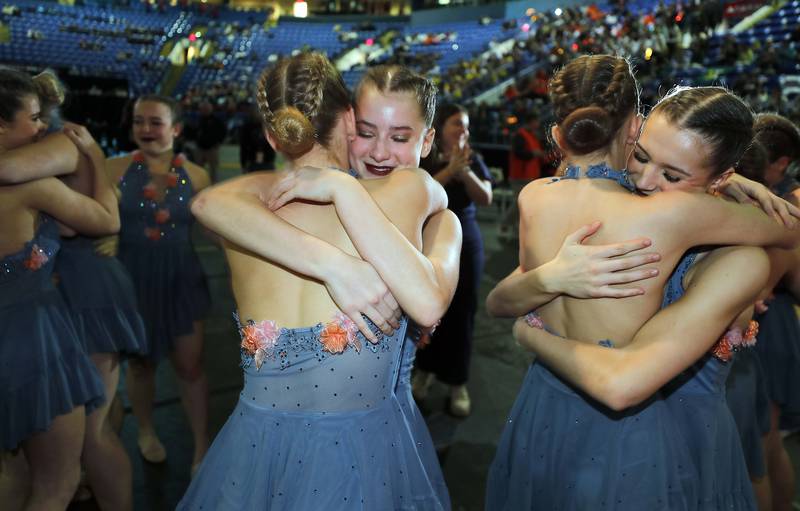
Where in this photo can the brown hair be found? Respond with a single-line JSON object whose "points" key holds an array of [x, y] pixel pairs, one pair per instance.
{"points": [[753, 163], [779, 136], [393, 78], [14, 87], [300, 100], [173, 105], [592, 97], [723, 120]]}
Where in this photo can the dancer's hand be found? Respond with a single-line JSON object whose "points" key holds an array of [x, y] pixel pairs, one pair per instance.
{"points": [[526, 336], [107, 245], [309, 183], [80, 136], [357, 289], [745, 191], [591, 271]]}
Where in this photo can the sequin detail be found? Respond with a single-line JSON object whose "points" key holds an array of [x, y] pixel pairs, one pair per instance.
{"points": [[36, 259], [735, 340], [599, 171], [533, 320]]}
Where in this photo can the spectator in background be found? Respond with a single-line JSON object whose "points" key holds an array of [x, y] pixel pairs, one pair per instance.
{"points": [[524, 164], [467, 181], [254, 151], [209, 134]]}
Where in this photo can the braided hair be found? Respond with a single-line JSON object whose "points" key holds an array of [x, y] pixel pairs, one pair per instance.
{"points": [[720, 117], [300, 100], [592, 96]]}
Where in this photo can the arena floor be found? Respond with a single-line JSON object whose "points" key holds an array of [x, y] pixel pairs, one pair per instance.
{"points": [[466, 445]]}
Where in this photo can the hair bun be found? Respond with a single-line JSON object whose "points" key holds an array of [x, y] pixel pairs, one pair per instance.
{"points": [[587, 129], [293, 132], [50, 89]]}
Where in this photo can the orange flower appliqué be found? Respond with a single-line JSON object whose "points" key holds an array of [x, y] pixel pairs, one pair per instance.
{"points": [[259, 339], [734, 340], [138, 157], [172, 180], [333, 338], [36, 259], [152, 233], [162, 216], [149, 191]]}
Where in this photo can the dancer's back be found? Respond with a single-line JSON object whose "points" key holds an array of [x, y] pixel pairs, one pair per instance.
{"points": [[673, 221], [264, 290]]}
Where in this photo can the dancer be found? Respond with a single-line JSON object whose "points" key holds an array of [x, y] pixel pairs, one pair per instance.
{"points": [[381, 458], [155, 247], [779, 351], [48, 381], [595, 101]]}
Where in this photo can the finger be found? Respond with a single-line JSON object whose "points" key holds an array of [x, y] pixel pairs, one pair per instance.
{"points": [[783, 214], [387, 313], [613, 292], [625, 277], [625, 247], [362, 327], [280, 187], [374, 316], [737, 195], [766, 204], [793, 210], [285, 198], [582, 233], [627, 262]]}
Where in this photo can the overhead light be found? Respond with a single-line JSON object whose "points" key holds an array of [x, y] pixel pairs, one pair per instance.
{"points": [[300, 9]]}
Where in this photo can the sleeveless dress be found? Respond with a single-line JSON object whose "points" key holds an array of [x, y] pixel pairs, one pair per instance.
{"points": [[44, 369], [696, 399], [779, 346], [102, 299], [748, 401], [563, 451], [325, 421], [155, 247]]}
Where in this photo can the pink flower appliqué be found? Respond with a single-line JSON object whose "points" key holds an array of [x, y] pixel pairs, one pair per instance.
{"points": [[734, 340], [36, 259], [534, 321], [259, 339]]}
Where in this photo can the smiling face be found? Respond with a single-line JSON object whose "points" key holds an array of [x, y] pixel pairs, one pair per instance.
{"points": [[390, 133], [669, 158], [26, 126], [153, 129]]}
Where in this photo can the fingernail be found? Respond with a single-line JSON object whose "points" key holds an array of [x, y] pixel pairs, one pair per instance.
{"points": [[653, 272]]}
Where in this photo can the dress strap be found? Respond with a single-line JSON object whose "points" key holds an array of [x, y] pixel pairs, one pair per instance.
{"points": [[600, 171]]}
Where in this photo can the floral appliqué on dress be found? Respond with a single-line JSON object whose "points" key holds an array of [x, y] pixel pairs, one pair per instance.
{"points": [[734, 340], [260, 338], [36, 259], [150, 193]]}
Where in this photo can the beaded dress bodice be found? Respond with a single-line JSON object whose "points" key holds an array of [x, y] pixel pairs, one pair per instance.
{"points": [[28, 272], [155, 209]]}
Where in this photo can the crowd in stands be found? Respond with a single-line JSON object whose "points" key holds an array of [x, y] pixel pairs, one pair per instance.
{"points": [[687, 42]]}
